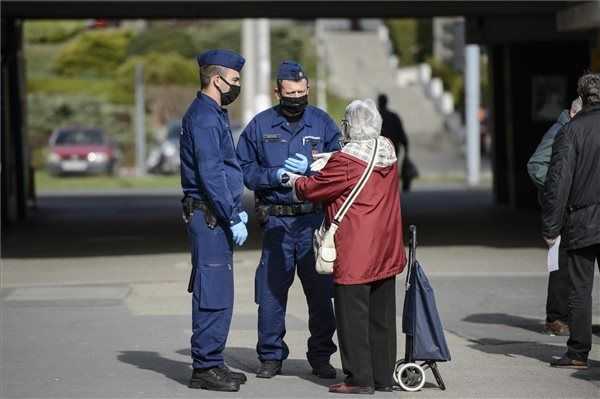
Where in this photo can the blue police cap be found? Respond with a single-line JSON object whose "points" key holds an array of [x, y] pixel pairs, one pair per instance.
{"points": [[227, 58], [290, 70]]}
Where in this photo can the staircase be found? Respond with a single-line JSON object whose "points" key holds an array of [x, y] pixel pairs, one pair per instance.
{"points": [[358, 64]]}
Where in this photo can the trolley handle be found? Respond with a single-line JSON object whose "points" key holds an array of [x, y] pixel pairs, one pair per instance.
{"points": [[412, 252]]}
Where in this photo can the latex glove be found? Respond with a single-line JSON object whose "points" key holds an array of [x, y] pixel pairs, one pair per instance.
{"points": [[298, 164], [239, 233], [321, 160], [244, 217]]}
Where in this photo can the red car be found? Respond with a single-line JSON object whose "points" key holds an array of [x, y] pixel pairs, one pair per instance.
{"points": [[78, 150]]}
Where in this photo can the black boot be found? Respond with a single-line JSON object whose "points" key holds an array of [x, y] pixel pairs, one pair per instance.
{"points": [[269, 369], [238, 377], [324, 370], [214, 379]]}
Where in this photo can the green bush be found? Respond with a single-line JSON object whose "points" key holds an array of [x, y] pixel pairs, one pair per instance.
{"points": [[162, 39], [159, 69], [293, 43], [453, 80], [403, 35], [39, 59], [216, 34], [411, 39], [103, 89], [96, 53], [336, 106], [45, 31]]}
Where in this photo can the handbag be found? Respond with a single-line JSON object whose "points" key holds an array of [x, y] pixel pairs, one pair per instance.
{"points": [[324, 238], [409, 169]]}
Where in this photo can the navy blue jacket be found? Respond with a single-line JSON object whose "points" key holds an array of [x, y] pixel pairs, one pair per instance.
{"points": [[269, 140], [209, 167]]}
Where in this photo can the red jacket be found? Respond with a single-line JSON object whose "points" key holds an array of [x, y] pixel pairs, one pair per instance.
{"points": [[369, 240]]}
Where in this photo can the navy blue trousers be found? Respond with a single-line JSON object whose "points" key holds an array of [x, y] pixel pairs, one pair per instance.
{"points": [[212, 300], [287, 249]]}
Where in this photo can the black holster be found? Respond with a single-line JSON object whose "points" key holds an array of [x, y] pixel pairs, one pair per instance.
{"points": [[190, 205]]}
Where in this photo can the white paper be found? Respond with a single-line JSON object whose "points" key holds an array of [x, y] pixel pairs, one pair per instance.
{"points": [[553, 256]]}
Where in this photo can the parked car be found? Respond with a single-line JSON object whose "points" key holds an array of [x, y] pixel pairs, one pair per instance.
{"points": [[164, 157], [82, 150]]}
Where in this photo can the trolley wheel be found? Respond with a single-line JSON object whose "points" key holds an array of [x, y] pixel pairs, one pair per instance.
{"points": [[397, 366], [410, 376]]}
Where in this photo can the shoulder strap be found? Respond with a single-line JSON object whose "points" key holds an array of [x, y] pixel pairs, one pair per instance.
{"points": [[362, 182]]}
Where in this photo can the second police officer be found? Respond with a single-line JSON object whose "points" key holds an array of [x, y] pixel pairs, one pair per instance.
{"points": [[288, 135]]}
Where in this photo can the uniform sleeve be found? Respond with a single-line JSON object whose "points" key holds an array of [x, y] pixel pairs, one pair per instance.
{"points": [[558, 184], [327, 185], [210, 168], [256, 177], [332, 136]]}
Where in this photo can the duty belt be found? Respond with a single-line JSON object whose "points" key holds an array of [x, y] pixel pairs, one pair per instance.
{"points": [[292, 210]]}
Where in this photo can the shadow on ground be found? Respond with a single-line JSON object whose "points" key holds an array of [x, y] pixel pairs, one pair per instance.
{"points": [[534, 350], [503, 319], [153, 361], [245, 360]]}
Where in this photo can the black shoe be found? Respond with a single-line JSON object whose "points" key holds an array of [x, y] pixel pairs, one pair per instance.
{"points": [[566, 363], [269, 369], [324, 370], [213, 379], [238, 377], [384, 388]]}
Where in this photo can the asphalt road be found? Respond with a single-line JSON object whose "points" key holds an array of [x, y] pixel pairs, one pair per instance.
{"points": [[93, 303]]}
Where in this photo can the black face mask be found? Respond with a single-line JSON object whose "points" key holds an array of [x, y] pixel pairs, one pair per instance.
{"points": [[230, 96], [293, 106]]}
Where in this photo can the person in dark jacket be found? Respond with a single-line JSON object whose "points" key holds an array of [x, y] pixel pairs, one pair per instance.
{"points": [[393, 129], [557, 310], [571, 209]]}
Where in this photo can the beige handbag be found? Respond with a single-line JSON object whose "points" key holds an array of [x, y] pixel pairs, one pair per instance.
{"points": [[324, 239]]}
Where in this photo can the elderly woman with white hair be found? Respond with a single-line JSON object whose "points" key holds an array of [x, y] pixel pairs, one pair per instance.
{"points": [[369, 245]]}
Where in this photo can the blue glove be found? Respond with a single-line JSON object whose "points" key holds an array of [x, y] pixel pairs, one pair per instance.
{"points": [[297, 165], [244, 217], [239, 233]]}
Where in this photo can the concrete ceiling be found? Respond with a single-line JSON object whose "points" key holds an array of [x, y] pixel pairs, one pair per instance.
{"points": [[272, 9]]}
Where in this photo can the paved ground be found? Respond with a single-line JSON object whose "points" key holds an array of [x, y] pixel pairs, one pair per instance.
{"points": [[93, 303]]}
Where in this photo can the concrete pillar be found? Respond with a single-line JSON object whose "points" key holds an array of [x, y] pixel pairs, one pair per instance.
{"points": [[249, 71], [472, 90], [263, 73], [321, 67], [140, 122]]}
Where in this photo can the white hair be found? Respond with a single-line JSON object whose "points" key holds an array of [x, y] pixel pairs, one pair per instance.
{"points": [[576, 106], [363, 120]]}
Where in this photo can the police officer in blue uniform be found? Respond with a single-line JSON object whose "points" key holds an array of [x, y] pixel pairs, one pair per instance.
{"points": [[287, 136], [212, 184]]}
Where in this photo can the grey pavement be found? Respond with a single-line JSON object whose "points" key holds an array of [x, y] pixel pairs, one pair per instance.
{"points": [[93, 303]]}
